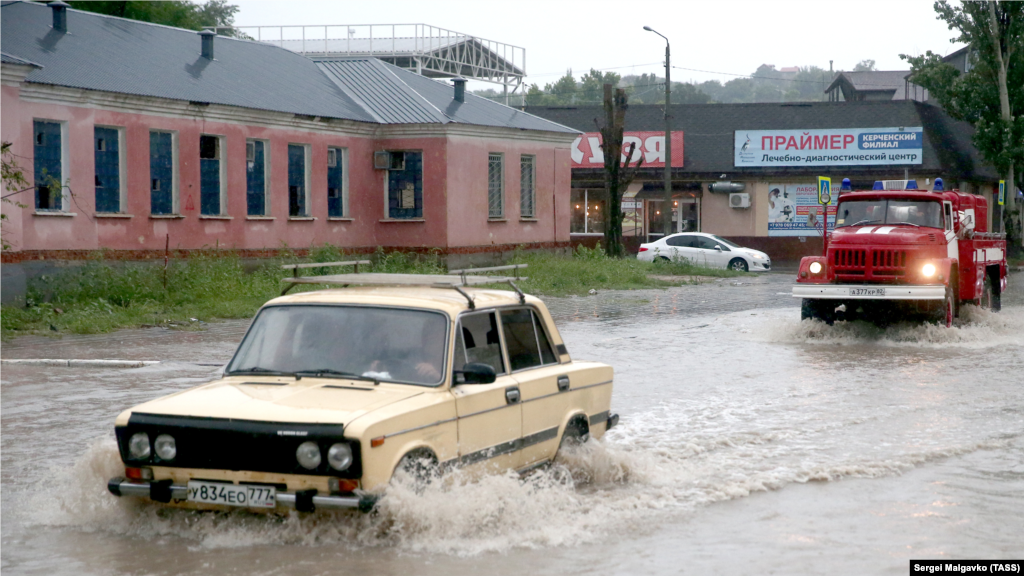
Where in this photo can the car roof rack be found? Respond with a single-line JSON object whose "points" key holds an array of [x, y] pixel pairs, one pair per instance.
{"points": [[455, 279]]}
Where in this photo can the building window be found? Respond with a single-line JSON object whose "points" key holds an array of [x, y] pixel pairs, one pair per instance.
{"points": [[495, 186], [336, 189], [212, 196], [405, 185], [527, 187], [298, 180], [49, 165], [163, 168], [257, 168], [588, 207], [109, 181]]}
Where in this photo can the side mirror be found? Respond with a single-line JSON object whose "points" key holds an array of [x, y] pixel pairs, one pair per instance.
{"points": [[476, 373], [717, 247]]}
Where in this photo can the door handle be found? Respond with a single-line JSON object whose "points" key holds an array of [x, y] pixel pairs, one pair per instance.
{"points": [[511, 395], [563, 383]]}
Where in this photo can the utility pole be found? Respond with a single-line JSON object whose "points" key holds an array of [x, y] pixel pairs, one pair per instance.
{"points": [[666, 210]]}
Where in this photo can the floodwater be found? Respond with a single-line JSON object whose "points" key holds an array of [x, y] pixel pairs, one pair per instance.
{"points": [[749, 442]]}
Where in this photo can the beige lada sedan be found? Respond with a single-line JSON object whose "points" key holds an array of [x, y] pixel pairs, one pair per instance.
{"points": [[330, 392]]}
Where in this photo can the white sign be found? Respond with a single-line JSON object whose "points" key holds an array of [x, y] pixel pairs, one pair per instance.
{"points": [[831, 147], [793, 210]]}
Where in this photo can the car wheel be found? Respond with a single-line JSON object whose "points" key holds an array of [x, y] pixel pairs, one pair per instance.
{"points": [[576, 432], [420, 465], [662, 259], [738, 264]]}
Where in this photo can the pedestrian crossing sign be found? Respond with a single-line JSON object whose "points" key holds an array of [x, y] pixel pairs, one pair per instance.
{"points": [[824, 190]]}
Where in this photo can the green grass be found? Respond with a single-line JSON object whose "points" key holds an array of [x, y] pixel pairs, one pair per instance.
{"points": [[102, 296]]}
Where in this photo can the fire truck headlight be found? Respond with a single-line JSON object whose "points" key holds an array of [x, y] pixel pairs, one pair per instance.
{"points": [[815, 267], [928, 270]]}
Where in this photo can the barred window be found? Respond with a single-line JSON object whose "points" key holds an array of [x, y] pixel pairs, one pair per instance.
{"points": [[495, 186], [527, 187]]}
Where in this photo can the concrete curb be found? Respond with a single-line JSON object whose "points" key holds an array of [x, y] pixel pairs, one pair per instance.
{"points": [[80, 363]]}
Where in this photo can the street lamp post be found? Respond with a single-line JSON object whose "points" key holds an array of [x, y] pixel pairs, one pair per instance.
{"points": [[666, 215]]}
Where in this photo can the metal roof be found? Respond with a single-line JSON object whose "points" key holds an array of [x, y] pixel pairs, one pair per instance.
{"points": [[112, 54], [874, 80], [709, 131], [9, 59]]}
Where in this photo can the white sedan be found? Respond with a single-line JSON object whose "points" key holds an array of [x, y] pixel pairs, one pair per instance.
{"points": [[705, 250]]}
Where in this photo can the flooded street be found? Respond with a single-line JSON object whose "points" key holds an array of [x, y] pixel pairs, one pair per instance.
{"points": [[749, 441]]}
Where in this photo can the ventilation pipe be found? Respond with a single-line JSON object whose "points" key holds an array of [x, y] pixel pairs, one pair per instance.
{"points": [[60, 15], [208, 36], [460, 89]]}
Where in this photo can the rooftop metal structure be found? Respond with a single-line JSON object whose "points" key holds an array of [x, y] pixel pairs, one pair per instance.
{"points": [[428, 50]]}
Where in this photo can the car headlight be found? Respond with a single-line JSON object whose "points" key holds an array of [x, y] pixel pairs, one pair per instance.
{"points": [[308, 455], [138, 446], [339, 456], [928, 270], [165, 447], [815, 267]]}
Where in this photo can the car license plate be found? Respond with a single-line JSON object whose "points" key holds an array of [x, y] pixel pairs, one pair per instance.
{"points": [[867, 291], [232, 494]]}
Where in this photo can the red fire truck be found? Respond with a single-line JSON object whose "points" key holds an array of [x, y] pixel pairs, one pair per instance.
{"points": [[898, 252]]}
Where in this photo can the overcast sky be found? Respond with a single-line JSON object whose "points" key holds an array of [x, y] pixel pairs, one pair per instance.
{"points": [[727, 37]]}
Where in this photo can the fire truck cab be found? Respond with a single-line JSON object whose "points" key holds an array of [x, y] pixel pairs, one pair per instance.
{"points": [[904, 253]]}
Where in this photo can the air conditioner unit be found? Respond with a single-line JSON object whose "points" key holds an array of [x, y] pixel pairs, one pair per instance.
{"points": [[741, 200], [381, 160]]}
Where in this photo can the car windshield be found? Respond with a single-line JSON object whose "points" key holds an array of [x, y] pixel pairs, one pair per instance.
{"points": [[726, 242], [363, 342], [922, 213]]}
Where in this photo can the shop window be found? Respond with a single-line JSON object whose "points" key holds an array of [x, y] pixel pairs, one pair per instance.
{"points": [[588, 207], [495, 186], [336, 189], [162, 172], [527, 187], [211, 176], [256, 172], [108, 180], [405, 185], [48, 160], [298, 180]]}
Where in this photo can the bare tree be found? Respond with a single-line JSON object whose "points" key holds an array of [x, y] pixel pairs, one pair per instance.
{"points": [[616, 176]]}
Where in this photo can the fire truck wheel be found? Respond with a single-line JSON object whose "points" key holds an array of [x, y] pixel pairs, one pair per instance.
{"points": [[811, 309], [992, 292], [943, 315]]}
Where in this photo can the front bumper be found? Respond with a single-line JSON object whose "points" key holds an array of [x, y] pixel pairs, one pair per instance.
{"points": [[869, 292], [303, 500]]}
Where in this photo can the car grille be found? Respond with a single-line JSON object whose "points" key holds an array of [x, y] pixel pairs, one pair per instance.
{"points": [[226, 444], [882, 264]]}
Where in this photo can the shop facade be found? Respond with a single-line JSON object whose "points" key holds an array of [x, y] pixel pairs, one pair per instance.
{"points": [[749, 170]]}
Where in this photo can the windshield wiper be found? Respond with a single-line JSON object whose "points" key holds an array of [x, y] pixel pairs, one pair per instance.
{"points": [[908, 224], [332, 373], [863, 222], [259, 371]]}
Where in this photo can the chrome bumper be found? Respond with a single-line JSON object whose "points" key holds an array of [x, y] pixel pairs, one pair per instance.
{"points": [[843, 292], [303, 500]]}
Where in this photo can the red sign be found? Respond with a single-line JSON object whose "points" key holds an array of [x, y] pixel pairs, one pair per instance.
{"points": [[586, 150]]}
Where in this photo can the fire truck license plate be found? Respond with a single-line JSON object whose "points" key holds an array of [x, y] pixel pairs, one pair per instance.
{"points": [[867, 291]]}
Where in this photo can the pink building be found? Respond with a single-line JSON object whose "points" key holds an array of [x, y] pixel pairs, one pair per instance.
{"points": [[136, 133]]}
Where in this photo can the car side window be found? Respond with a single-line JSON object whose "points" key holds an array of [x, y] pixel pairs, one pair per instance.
{"points": [[477, 340], [709, 243], [523, 339], [681, 241]]}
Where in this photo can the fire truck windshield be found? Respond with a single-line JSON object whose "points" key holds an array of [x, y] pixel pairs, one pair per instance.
{"points": [[921, 213]]}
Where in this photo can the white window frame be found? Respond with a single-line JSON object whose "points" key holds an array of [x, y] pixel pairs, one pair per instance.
{"points": [[175, 171], [222, 177], [532, 160], [65, 163], [341, 155], [266, 177], [122, 167], [307, 151], [501, 186]]}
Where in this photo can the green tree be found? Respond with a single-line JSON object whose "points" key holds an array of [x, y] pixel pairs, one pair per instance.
{"points": [[563, 91], [591, 84], [177, 13], [865, 66], [991, 94]]}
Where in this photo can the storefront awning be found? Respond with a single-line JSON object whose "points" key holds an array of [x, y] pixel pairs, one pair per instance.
{"points": [[656, 190]]}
